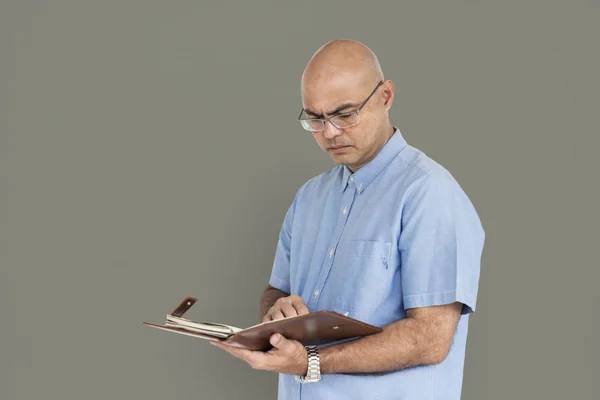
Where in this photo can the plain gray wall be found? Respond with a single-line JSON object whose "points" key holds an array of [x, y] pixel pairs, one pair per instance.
{"points": [[149, 151]]}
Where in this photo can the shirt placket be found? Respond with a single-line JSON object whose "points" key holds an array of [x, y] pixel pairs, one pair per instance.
{"points": [[347, 201]]}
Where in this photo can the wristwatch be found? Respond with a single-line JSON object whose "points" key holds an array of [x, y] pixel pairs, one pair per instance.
{"points": [[314, 367]]}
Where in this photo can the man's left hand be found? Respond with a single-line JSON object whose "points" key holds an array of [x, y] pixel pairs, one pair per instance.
{"points": [[286, 357]]}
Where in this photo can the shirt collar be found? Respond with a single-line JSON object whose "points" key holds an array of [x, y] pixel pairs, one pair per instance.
{"points": [[368, 172]]}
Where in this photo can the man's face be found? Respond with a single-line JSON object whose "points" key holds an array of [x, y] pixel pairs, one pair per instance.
{"points": [[356, 145]]}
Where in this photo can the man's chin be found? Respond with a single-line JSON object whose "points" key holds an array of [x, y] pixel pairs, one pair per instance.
{"points": [[348, 157], [341, 158], [347, 161]]}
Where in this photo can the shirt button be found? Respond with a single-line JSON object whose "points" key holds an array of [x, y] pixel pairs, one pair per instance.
{"points": [[316, 292], [331, 253], [345, 210], [351, 179]]}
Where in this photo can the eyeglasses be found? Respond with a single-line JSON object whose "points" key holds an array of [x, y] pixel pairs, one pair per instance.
{"points": [[340, 121]]}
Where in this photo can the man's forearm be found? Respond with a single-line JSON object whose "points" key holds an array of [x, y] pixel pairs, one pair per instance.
{"points": [[402, 344], [269, 297]]}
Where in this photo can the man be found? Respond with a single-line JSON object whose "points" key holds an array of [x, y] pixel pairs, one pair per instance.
{"points": [[387, 236]]}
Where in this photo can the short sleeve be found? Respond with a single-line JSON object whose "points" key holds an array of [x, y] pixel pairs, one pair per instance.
{"points": [[280, 274], [440, 245]]}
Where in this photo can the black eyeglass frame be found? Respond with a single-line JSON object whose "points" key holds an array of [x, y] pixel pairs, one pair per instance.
{"points": [[324, 120]]}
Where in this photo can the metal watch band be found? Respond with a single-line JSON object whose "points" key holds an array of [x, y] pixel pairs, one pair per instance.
{"points": [[314, 366]]}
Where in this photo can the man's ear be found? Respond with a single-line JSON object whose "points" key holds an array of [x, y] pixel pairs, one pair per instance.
{"points": [[389, 91]]}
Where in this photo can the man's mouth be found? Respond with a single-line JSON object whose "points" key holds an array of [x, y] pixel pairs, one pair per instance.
{"points": [[338, 149]]}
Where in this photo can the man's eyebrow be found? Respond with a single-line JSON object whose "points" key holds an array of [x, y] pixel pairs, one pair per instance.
{"points": [[341, 107]]}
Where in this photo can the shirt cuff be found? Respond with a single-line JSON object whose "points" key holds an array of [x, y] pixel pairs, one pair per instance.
{"points": [[280, 284], [438, 299]]}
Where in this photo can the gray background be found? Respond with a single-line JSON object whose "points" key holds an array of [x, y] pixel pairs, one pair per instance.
{"points": [[149, 151]]}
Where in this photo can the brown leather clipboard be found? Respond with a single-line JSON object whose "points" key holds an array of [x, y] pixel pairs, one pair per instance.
{"points": [[320, 327]]}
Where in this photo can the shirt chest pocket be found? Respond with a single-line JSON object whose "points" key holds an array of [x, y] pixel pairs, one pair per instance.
{"points": [[369, 251], [363, 278]]}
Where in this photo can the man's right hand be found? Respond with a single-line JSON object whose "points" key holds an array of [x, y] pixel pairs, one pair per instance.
{"points": [[285, 307]]}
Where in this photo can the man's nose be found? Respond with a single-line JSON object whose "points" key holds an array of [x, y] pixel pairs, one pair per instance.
{"points": [[330, 131]]}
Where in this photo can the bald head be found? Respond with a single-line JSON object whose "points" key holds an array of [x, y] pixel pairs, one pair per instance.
{"points": [[342, 60], [342, 79]]}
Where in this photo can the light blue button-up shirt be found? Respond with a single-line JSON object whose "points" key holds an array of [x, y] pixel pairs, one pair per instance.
{"points": [[397, 234]]}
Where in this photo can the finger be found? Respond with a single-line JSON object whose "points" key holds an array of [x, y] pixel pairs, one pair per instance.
{"points": [[256, 359], [234, 351], [288, 310], [277, 314], [269, 315], [283, 344], [243, 354], [300, 307]]}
